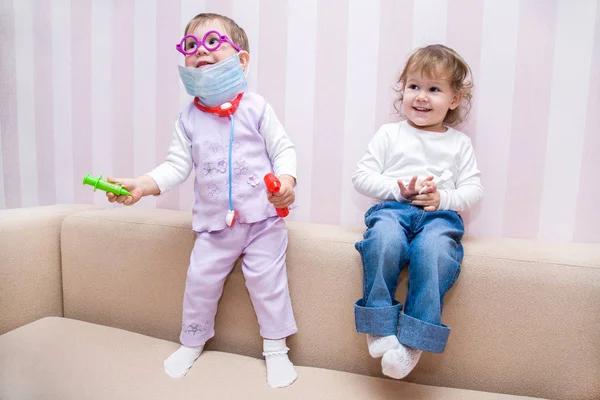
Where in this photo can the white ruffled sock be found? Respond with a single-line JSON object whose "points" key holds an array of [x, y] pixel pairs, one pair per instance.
{"points": [[378, 345], [399, 362], [280, 370], [179, 363]]}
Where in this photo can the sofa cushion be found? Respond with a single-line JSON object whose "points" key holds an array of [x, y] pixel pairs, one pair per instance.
{"points": [[62, 359], [520, 313]]}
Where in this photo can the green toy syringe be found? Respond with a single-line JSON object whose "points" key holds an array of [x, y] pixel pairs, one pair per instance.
{"points": [[99, 183]]}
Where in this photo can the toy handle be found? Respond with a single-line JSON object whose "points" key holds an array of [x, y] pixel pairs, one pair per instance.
{"points": [[273, 185]]}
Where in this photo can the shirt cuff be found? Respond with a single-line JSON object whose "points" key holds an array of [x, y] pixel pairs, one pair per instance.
{"points": [[285, 171], [444, 200], [161, 181]]}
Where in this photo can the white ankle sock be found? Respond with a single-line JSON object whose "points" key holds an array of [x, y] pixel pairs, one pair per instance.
{"points": [[378, 345], [280, 370], [399, 362], [179, 363]]}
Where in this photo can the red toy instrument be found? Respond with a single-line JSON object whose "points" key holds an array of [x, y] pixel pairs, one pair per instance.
{"points": [[273, 185]]}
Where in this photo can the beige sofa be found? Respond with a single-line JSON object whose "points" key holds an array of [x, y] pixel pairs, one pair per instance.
{"points": [[90, 306]]}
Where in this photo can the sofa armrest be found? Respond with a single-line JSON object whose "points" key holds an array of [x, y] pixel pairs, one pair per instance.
{"points": [[30, 266]]}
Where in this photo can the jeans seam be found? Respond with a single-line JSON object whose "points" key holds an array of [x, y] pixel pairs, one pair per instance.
{"points": [[421, 216], [456, 244], [457, 273], [365, 270], [454, 279]]}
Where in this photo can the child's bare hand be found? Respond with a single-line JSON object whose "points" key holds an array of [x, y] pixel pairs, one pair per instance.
{"points": [[429, 199], [132, 186], [413, 188], [286, 196], [428, 186]]}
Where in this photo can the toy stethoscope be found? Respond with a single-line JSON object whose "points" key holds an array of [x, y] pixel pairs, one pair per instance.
{"points": [[271, 181], [225, 110]]}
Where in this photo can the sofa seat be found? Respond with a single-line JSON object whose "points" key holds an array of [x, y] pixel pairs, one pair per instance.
{"points": [[58, 358]]}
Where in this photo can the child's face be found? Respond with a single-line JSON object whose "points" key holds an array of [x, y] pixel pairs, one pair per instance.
{"points": [[427, 101], [203, 57]]}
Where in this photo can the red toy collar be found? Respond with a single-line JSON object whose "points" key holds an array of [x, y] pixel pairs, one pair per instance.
{"points": [[224, 110]]}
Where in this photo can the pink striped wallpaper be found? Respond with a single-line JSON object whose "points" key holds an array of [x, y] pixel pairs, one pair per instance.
{"points": [[91, 86]]}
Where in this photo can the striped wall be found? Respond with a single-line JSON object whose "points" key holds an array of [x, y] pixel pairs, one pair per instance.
{"points": [[91, 86]]}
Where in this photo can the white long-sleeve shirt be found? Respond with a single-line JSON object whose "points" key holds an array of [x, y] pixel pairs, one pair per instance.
{"points": [[399, 151], [179, 163]]}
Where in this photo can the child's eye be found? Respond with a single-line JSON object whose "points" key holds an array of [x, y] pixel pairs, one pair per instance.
{"points": [[191, 45], [413, 87], [213, 41], [435, 89]]}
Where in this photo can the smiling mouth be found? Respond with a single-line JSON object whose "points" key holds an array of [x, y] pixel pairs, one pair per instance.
{"points": [[203, 64], [421, 109]]}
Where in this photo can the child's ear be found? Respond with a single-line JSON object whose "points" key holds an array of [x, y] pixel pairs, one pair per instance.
{"points": [[456, 100], [244, 59]]}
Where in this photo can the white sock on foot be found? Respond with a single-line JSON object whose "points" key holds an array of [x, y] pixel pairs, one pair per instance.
{"points": [[280, 370], [179, 363], [400, 362], [378, 345]]}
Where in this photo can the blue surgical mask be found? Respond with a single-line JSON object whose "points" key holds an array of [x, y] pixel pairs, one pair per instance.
{"points": [[217, 83]]}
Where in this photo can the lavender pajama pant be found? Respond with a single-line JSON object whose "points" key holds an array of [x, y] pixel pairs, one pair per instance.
{"points": [[263, 246]]}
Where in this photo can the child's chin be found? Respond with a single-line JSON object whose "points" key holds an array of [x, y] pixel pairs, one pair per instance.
{"points": [[420, 123]]}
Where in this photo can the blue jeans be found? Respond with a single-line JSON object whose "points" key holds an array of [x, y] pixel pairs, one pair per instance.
{"points": [[429, 242]]}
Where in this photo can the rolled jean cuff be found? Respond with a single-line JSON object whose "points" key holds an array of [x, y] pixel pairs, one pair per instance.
{"points": [[380, 321], [422, 335]]}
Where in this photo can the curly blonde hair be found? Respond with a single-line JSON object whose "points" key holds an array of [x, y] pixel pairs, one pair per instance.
{"points": [[238, 35], [438, 60]]}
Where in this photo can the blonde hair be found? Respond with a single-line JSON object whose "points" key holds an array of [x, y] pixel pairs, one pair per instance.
{"points": [[440, 61], [237, 34]]}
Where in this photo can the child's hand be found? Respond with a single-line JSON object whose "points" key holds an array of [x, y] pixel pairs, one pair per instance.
{"points": [[286, 196], [132, 186], [413, 187], [429, 199]]}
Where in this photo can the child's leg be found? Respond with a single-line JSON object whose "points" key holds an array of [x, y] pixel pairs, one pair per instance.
{"points": [[266, 279], [384, 252], [211, 261], [436, 253]]}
